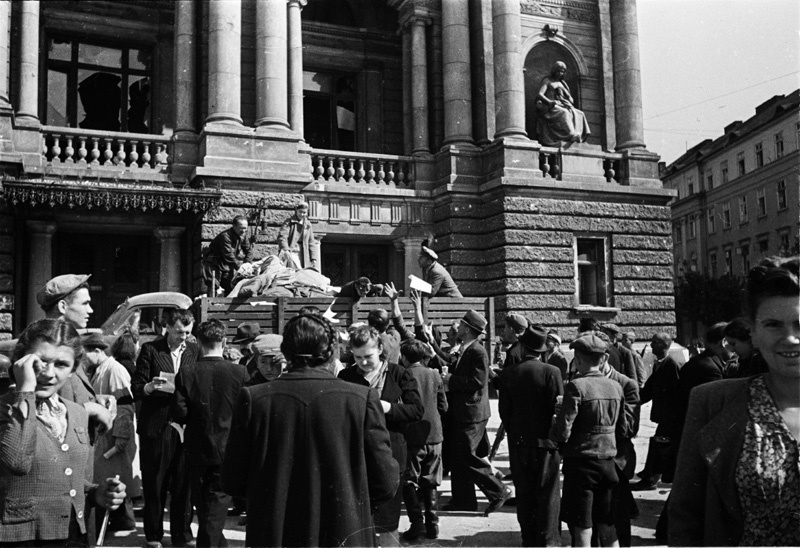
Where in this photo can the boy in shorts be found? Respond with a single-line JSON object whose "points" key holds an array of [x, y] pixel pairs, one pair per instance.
{"points": [[585, 425], [424, 438]]}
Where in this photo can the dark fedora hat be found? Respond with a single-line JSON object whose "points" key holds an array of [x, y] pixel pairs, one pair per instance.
{"points": [[94, 340], [534, 338], [246, 332], [475, 321]]}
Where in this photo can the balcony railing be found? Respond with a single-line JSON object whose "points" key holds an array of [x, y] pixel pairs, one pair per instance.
{"points": [[551, 164], [336, 166], [66, 147]]}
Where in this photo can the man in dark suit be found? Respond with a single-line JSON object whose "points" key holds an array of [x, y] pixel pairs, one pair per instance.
{"points": [[528, 393], [161, 454], [468, 414], [205, 393], [308, 451], [442, 284], [619, 356]]}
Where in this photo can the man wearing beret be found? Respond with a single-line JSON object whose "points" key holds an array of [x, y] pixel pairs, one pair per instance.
{"points": [[528, 394], [442, 284], [585, 426], [468, 414]]}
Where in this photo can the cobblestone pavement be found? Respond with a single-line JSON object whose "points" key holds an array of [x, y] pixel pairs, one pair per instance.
{"points": [[472, 529]]}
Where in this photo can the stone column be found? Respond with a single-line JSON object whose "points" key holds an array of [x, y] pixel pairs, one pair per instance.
{"points": [[419, 85], [272, 87], [457, 73], [185, 69], [224, 61], [296, 66], [40, 261], [408, 142], [508, 78], [5, 52], [627, 76], [482, 47], [28, 111], [411, 248], [170, 258]]}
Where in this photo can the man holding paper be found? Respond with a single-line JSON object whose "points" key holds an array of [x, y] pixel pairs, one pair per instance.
{"points": [[161, 453], [442, 284]]}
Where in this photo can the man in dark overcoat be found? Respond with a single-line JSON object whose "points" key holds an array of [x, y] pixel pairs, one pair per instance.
{"points": [[528, 393], [468, 414], [311, 455]]}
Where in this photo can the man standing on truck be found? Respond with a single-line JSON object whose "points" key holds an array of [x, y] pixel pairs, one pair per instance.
{"points": [[225, 254], [296, 242]]}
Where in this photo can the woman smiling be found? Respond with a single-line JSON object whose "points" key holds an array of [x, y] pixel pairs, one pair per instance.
{"points": [[738, 475]]}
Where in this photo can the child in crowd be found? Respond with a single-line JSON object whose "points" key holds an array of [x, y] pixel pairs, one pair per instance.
{"points": [[424, 439], [585, 425]]}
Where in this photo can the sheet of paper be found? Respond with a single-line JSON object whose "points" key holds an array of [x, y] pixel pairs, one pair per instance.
{"points": [[169, 385], [329, 314], [420, 285]]}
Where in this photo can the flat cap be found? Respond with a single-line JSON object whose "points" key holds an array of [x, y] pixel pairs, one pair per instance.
{"points": [[267, 344], [517, 322], [610, 327], [58, 288], [428, 252], [246, 332], [589, 344], [94, 340]]}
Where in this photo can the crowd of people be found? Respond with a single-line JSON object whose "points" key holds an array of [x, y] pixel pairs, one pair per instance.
{"points": [[321, 435]]}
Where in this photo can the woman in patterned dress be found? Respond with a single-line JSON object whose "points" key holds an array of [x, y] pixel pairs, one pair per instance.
{"points": [[44, 445], [738, 477]]}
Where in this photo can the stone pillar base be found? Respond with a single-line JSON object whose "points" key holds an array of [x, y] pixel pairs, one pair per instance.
{"points": [[640, 168]]}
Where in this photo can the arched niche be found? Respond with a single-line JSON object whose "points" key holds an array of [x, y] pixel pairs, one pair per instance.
{"points": [[538, 62]]}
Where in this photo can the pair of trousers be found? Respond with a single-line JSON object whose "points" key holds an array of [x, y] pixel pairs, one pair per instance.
{"points": [[164, 470], [467, 468], [537, 487], [211, 503]]}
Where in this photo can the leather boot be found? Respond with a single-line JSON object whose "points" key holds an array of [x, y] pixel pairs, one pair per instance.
{"points": [[414, 511], [429, 499]]}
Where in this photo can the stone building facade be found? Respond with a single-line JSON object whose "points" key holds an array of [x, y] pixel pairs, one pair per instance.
{"points": [[737, 195], [133, 132]]}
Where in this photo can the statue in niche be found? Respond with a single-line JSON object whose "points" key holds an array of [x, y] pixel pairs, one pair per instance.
{"points": [[558, 120]]}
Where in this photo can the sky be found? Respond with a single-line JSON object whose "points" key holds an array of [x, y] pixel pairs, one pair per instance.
{"points": [[707, 63]]}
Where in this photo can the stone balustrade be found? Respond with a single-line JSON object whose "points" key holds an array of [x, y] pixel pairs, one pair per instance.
{"points": [[70, 147], [551, 162], [336, 166]]}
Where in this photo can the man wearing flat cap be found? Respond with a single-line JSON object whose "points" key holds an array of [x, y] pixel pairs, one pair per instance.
{"points": [[67, 298], [585, 426], [442, 284], [298, 248], [528, 394], [468, 414], [515, 325]]}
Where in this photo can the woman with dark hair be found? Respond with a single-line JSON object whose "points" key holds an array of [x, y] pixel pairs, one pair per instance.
{"points": [[738, 480], [308, 452], [44, 445], [125, 349], [401, 404]]}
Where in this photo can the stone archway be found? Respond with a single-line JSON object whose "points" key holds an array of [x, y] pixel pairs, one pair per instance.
{"points": [[538, 63]]}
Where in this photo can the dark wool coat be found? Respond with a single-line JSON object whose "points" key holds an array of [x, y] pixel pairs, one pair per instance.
{"points": [[311, 455], [469, 386], [153, 414], [704, 506]]}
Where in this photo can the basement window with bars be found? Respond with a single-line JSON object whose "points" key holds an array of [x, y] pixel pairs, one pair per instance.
{"points": [[98, 86], [592, 271]]}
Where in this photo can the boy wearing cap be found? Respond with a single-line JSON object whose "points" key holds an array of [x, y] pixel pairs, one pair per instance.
{"points": [[586, 425], [297, 246], [67, 298], [269, 361]]}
